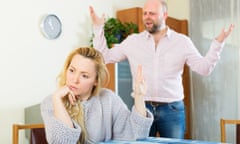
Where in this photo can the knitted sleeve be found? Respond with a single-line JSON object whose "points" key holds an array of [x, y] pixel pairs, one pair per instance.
{"points": [[126, 124], [56, 131]]}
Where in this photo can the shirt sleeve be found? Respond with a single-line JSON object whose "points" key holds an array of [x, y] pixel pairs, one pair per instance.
{"points": [[56, 131], [204, 65], [111, 55]]}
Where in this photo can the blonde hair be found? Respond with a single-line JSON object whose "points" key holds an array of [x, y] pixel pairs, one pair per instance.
{"points": [[76, 111]]}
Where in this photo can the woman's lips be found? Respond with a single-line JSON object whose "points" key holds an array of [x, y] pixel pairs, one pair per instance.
{"points": [[72, 88]]}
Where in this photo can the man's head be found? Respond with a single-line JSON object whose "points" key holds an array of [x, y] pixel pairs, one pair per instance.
{"points": [[155, 15]]}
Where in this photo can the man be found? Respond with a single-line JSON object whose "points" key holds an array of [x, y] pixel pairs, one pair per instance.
{"points": [[162, 53]]}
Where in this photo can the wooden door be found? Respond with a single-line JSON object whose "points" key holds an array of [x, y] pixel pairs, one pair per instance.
{"points": [[134, 15], [111, 69]]}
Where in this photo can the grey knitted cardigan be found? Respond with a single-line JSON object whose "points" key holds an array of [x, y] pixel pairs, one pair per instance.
{"points": [[106, 118]]}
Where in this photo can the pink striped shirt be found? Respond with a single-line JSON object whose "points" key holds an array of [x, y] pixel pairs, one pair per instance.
{"points": [[163, 65]]}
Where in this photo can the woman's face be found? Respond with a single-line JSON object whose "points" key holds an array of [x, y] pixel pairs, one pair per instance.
{"points": [[81, 76]]}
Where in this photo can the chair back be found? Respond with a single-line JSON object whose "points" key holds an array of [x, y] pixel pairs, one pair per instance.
{"points": [[37, 133], [223, 122], [37, 136]]}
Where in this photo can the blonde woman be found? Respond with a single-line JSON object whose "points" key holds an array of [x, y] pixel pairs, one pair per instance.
{"points": [[81, 111]]}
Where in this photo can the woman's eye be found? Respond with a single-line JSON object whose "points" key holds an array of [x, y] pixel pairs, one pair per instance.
{"points": [[85, 76], [71, 70]]}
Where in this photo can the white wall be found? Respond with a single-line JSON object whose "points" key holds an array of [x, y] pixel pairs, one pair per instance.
{"points": [[178, 8], [29, 62]]}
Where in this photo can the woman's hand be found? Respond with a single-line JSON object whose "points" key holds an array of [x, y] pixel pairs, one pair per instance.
{"points": [[59, 109], [139, 92], [64, 91], [97, 21]]}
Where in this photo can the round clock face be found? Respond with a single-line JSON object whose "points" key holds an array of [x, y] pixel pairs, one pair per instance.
{"points": [[51, 26]]}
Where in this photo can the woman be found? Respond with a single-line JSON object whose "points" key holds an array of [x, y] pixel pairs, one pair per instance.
{"points": [[81, 111]]}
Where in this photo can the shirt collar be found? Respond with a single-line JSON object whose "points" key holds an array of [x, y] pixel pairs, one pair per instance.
{"points": [[168, 34]]}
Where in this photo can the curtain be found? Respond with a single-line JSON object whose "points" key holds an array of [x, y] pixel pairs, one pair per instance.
{"points": [[215, 96]]}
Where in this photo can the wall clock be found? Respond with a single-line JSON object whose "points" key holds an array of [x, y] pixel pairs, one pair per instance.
{"points": [[51, 26]]}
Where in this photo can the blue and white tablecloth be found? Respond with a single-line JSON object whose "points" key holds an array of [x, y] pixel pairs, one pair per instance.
{"points": [[158, 140]]}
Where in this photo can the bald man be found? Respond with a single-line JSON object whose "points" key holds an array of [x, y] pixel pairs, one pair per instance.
{"points": [[162, 52]]}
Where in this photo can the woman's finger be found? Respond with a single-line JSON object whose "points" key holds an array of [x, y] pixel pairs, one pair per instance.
{"points": [[71, 97]]}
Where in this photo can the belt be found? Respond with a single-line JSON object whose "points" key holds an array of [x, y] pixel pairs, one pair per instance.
{"points": [[155, 104]]}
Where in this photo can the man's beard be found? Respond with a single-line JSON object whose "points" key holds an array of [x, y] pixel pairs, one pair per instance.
{"points": [[156, 27]]}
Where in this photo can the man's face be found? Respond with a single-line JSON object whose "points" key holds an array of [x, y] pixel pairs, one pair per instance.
{"points": [[153, 16]]}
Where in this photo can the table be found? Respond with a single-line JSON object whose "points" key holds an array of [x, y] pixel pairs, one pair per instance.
{"points": [[159, 140]]}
